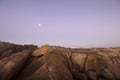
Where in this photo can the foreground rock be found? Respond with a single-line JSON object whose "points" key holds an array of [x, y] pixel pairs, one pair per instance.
{"points": [[59, 63], [52, 66], [11, 65]]}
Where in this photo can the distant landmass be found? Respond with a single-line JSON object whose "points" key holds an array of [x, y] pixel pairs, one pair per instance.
{"points": [[30, 62]]}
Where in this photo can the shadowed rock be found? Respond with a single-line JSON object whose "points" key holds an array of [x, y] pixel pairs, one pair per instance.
{"points": [[52, 66], [7, 49], [11, 65], [58, 63]]}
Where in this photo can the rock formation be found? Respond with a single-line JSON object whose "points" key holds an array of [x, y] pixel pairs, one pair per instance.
{"points": [[28, 62]]}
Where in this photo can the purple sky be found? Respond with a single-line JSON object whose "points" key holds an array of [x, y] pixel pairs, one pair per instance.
{"points": [[73, 23]]}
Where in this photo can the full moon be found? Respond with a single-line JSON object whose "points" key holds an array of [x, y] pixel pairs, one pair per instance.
{"points": [[39, 25]]}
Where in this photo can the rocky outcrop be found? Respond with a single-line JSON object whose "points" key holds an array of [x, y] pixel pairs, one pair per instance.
{"points": [[51, 66], [43, 50], [11, 65], [7, 49], [19, 62]]}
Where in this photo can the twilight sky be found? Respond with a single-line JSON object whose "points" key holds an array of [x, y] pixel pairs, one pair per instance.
{"points": [[70, 23]]}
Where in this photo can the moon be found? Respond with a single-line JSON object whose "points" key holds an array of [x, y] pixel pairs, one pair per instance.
{"points": [[39, 25]]}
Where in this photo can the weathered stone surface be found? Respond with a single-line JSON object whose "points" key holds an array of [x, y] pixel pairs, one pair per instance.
{"points": [[7, 49], [79, 59], [78, 76], [52, 66], [43, 50], [57, 66], [10, 66], [35, 70], [58, 63]]}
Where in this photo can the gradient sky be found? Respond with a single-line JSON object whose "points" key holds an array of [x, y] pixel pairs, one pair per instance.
{"points": [[70, 23]]}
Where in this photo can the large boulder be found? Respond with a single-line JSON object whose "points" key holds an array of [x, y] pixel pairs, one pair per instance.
{"points": [[79, 59], [51, 66], [10, 66], [43, 50]]}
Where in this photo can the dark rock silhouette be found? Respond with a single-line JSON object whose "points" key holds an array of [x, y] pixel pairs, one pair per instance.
{"points": [[28, 62]]}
